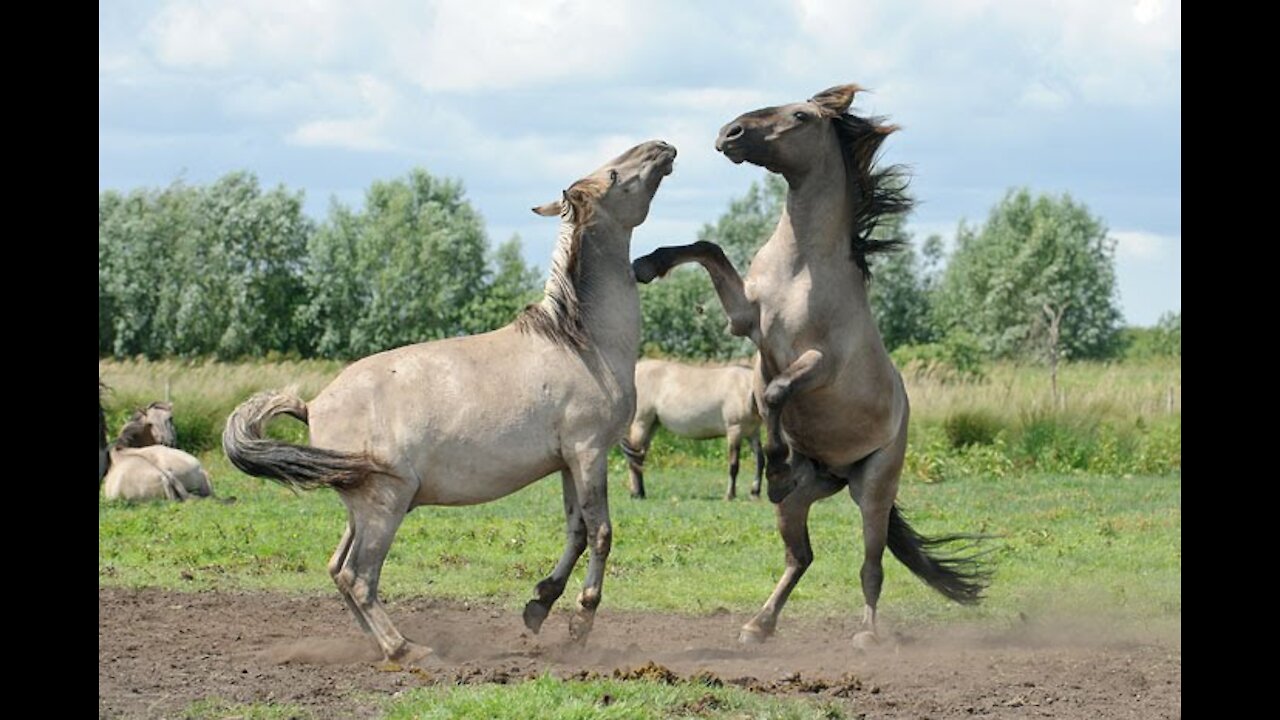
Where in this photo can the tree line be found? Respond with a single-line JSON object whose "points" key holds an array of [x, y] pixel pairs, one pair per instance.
{"points": [[233, 270]]}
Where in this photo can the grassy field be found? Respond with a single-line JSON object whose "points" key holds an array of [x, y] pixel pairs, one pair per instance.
{"points": [[1085, 505], [1065, 543], [548, 698]]}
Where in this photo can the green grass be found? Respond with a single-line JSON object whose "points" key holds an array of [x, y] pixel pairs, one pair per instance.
{"points": [[216, 709], [552, 699], [1066, 543]]}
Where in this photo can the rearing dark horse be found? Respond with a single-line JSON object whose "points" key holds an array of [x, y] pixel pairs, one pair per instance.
{"points": [[834, 405]]}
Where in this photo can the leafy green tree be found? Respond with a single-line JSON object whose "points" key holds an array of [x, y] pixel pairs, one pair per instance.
{"points": [[1037, 277], [404, 269], [902, 287], [511, 285], [1163, 340], [200, 270]]}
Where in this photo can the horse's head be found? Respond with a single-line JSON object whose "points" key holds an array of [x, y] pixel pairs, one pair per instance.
{"points": [[791, 138], [152, 425], [620, 191]]}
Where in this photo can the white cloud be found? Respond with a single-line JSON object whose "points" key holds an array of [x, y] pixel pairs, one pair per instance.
{"points": [[1041, 53], [1144, 246], [362, 131], [495, 44]]}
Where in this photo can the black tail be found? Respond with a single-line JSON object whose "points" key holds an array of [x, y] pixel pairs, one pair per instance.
{"points": [[297, 466], [960, 577], [635, 458]]}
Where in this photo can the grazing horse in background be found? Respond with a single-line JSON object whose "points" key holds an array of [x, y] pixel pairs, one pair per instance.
{"points": [[835, 407], [468, 420], [694, 402]]}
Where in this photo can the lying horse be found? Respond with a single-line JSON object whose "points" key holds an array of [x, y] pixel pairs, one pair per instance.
{"points": [[694, 402], [155, 472], [137, 467], [834, 405], [468, 420]]}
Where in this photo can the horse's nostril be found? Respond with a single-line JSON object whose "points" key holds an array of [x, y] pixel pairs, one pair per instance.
{"points": [[734, 132]]}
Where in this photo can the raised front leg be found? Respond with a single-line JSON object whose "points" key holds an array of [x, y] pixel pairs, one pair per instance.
{"points": [[809, 370], [552, 587], [590, 477], [744, 315]]}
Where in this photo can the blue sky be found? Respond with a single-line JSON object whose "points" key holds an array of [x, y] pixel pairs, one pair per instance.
{"points": [[518, 99]]}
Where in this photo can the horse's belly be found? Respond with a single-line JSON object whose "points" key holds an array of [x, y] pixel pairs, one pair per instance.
{"points": [[835, 435], [698, 427], [458, 474]]}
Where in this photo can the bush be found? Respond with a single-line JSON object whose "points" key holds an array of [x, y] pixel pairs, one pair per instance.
{"points": [[971, 427], [957, 359]]}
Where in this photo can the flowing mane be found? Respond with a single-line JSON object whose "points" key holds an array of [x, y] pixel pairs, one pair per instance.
{"points": [[881, 191], [558, 317]]}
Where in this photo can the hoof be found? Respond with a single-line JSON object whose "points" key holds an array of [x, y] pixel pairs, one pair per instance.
{"points": [[646, 269], [580, 627], [637, 496], [729, 496], [752, 635], [412, 653], [534, 614], [866, 640], [755, 495]]}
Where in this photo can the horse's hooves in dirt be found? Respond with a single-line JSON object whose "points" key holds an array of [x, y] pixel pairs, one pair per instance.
{"points": [[580, 626], [534, 614], [866, 640], [752, 635], [415, 655]]}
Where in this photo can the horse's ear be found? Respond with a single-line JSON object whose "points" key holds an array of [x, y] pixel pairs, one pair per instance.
{"points": [[836, 100], [551, 209]]}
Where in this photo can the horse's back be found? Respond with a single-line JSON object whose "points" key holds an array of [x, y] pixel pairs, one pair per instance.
{"points": [[471, 418], [694, 401]]}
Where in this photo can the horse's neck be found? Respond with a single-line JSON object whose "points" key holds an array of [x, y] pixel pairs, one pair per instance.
{"points": [[814, 233], [607, 296]]}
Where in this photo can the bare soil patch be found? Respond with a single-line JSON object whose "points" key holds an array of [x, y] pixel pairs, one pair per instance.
{"points": [[159, 651]]}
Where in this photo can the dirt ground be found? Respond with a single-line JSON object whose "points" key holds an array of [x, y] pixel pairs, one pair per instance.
{"points": [[159, 651]]}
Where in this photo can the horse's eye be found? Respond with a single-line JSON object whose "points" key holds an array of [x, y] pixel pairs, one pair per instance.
{"points": [[800, 115], [613, 177]]}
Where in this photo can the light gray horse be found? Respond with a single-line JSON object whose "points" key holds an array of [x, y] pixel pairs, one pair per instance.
{"points": [[695, 402], [835, 407], [468, 420]]}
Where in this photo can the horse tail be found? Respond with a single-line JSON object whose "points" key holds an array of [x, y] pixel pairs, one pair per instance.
{"points": [[959, 577], [295, 466]]}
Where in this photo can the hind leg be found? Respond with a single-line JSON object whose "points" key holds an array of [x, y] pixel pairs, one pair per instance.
{"points": [[874, 487], [636, 446], [376, 508], [754, 441], [335, 566], [552, 587], [734, 440], [793, 526]]}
